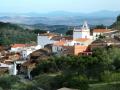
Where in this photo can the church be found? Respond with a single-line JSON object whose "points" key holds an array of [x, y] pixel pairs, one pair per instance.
{"points": [[83, 32]]}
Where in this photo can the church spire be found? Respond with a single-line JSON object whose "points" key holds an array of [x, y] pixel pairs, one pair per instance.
{"points": [[83, 32], [85, 25]]}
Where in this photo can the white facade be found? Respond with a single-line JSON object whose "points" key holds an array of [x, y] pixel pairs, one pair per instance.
{"points": [[18, 49], [70, 43], [44, 40], [2, 65], [83, 32], [56, 49], [96, 35], [11, 68], [15, 69], [27, 51], [98, 32]]}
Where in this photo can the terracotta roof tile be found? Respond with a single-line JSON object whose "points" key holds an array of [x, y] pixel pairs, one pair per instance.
{"points": [[101, 30], [20, 45], [59, 43], [81, 39], [79, 49], [48, 34]]}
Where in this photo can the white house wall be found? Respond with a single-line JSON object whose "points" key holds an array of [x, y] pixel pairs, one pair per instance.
{"points": [[72, 43], [16, 49], [77, 35], [81, 34], [44, 40], [56, 49], [96, 35]]}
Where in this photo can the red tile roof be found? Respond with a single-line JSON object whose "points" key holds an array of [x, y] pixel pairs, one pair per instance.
{"points": [[79, 49], [81, 39], [21, 45], [18, 45], [59, 43], [101, 30]]}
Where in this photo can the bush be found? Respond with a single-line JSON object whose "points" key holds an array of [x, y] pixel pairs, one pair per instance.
{"points": [[77, 82], [110, 76], [6, 82], [43, 81]]}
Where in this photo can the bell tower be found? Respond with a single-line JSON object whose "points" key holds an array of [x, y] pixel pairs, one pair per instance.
{"points": [[83, 32]]}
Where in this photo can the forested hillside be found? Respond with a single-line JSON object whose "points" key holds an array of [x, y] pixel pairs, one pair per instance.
{"points": [[116, 25], [52, 28], [12, 33]]}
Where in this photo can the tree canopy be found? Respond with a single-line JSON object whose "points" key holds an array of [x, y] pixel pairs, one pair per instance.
{"points": [[12, 33], [118, 18], [77, 71]]}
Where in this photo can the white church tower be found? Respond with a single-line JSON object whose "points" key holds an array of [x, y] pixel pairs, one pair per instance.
{"points": [[83, 32]]}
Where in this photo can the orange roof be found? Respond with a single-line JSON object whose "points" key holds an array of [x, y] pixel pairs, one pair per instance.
{"points": [[101, 30], [78, 49], [48, 34], [18, 45], [81, 39], [59, 43]]}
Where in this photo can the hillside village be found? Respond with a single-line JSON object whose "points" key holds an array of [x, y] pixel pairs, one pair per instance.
{"points": [[21, 57], [59, 45]]}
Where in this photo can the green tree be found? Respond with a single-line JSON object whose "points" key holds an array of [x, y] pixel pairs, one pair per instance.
{"points": [[69, 32], [118, 18], [6, 82], [36, 31], [100, 26]]}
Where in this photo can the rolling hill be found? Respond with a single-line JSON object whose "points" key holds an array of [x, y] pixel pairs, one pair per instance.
{"points": [[61, 18]]}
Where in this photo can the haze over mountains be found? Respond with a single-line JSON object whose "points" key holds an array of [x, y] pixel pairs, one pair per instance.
{"points": [[61, 18]]}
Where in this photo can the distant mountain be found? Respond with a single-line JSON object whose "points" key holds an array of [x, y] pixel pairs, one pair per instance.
{"points": [[61, 18], [104, 13]]}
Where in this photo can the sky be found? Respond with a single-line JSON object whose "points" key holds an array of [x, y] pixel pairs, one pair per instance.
{"points": [[44, 6]]}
